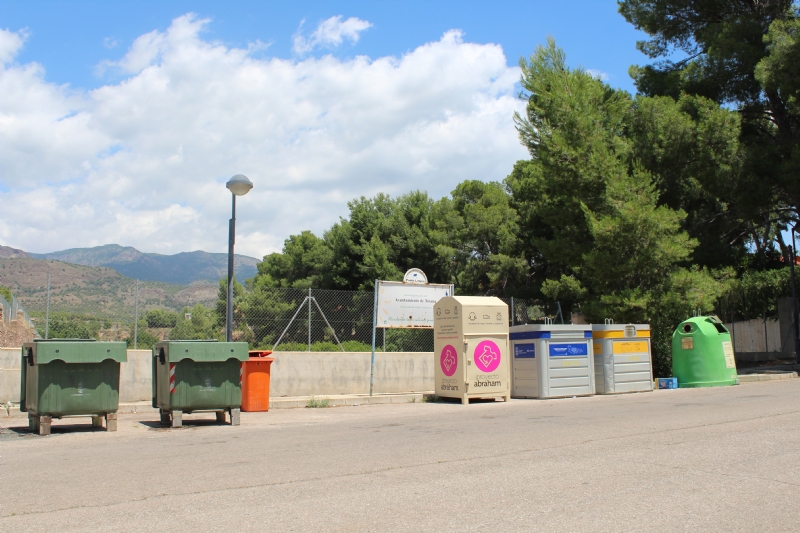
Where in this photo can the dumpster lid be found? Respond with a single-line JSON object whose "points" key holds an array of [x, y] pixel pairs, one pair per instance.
{"points": [[619, 327], [64, 340], [550, 331], [78, 351], [200, 350], [700, 323], [611, 331], [189, 340]]}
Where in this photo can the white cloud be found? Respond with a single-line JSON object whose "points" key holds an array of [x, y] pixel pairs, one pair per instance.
{"points": [[10, 44], [599, 74], [143, 162], [330, 33]]}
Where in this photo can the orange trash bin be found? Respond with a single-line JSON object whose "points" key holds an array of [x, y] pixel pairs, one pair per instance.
{"points": [[255, 381]]}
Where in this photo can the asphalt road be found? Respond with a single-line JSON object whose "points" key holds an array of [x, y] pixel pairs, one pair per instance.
{"points": [[721, 459]]}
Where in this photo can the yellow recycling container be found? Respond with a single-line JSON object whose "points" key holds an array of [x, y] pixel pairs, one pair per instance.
{"points": [[623, 359]]}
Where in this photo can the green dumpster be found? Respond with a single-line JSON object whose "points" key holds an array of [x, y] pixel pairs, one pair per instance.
{"points": [[198, 376], [70, 377], [702, 353]]}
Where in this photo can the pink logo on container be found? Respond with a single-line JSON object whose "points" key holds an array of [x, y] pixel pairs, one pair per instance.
{"points": [[487, 356], [449, 360]]}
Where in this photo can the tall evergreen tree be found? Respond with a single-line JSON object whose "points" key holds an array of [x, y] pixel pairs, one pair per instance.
{"points": [[742, 54]]}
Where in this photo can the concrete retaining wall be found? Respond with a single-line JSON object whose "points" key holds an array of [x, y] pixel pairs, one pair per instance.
{"points": [[325, 373], [9, 374], [293, 374], [135, 377]]}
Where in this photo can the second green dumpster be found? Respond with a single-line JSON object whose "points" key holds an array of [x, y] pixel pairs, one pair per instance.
{"points": [[197, 376], [702, 353]]}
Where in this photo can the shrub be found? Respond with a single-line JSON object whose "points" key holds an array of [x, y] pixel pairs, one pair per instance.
{"points": [[291, 347], [314, 402], [357, 346], [325, 346]]}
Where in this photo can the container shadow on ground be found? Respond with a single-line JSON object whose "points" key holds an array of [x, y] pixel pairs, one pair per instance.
{"points": [[55, 429], [472, 401], [187, 423]]}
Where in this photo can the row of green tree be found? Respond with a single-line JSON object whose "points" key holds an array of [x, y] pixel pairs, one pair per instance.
{"points": [[640, 208]]}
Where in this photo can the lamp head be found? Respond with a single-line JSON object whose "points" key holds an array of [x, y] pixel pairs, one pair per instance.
{"points": [[239, 185]]}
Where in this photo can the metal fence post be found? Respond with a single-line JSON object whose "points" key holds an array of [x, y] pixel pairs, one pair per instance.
{"points": [[374, 326], [136, 319], [513, 314], [47, 311], [309, 319]]}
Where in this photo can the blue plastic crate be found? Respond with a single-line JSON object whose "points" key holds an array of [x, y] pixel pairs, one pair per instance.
{"points": [[667, 383]]}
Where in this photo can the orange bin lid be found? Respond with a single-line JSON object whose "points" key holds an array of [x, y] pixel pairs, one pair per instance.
{"points": [[259, 353]]}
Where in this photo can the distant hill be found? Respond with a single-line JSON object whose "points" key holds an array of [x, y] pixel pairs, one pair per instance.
{"points": [[8, 252], [95, 290], [183, 268]]}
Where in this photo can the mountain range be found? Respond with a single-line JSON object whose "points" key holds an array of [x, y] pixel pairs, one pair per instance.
{"points": [[182, 268], [96, 291]]}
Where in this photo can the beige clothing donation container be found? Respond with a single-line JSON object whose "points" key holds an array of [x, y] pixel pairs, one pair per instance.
{"points": [[552, 361], [622, 358], [471, 348]]}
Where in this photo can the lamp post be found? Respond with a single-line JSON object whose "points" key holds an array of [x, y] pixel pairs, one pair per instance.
{"points": [[239, 185]]}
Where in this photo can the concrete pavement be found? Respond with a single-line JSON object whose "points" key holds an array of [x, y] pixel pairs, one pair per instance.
{"points": [[718, 459]]}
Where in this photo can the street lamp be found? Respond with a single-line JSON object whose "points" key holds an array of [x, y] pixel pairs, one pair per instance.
{"points": [[239, 185]]}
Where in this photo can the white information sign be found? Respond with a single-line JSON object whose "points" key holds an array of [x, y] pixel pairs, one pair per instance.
{"points": [[408, 305]]}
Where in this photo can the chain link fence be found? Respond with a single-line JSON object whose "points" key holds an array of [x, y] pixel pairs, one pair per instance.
{"points": [[280, 319], [522, 312], [13, 311], [328, 320], [16, 327], [319, 320], [305, 320]]}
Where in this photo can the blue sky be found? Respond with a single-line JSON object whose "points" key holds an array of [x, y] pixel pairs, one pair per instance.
{"points": [[71, 38], [121, 121]]}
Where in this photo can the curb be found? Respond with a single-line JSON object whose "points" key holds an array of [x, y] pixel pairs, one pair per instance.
{"points": [[749, 378], [293, 402], [347, 400]]}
